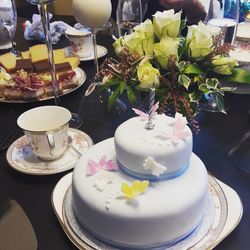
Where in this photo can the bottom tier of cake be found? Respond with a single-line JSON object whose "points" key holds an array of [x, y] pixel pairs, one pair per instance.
{"points": [[164, 213]]}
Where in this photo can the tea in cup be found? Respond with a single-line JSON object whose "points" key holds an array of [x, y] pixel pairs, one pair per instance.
{"points": [[46, 129], [81, 42]]}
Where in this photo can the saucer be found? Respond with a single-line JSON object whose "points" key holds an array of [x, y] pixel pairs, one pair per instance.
{"points": [[6, 46], [21, 158], [101, 51], [228, 212], [241, 52], [243, 31]]}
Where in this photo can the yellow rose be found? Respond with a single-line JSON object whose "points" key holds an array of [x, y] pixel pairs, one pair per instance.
{"points": [[199, 41], [148, 75], [164, 49]]}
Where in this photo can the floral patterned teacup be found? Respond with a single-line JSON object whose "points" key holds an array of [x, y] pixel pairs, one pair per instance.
{"points": [[81, 42], [46, 129]]}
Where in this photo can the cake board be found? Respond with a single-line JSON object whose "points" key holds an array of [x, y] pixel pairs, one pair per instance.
{"points": [[232, 214]]}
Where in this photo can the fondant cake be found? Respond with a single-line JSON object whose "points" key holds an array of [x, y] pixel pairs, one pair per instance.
{"points": [[143, 188]]}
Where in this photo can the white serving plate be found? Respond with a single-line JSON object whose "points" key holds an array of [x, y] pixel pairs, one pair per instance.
{"points": [[229, 211]]}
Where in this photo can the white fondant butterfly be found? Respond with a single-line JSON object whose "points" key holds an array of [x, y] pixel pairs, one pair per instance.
{"points": [[143, 115], [156, 168], [104, 179]]}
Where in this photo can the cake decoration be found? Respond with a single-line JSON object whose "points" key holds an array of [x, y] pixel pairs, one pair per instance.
{"points": [[179, 131], [143, 115], [137, 188], [93, 167], [149, 124], [110, 197], [104, 179], [156, 168]]}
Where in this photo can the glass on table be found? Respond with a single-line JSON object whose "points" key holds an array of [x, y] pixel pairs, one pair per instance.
{"points": [[128, 15], [224, 15], [8, 19], [222, 18], [94, 14]]}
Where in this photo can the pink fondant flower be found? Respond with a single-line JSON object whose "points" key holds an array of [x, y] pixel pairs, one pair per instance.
{"points": [[93, 167], [143, 115]]}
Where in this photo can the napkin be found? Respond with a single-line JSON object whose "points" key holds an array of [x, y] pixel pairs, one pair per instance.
{"points": [[34, 30]]}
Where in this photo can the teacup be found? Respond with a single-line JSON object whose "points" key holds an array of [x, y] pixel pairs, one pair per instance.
{"points": [[81, 42], [46, 129], [4, 38]]}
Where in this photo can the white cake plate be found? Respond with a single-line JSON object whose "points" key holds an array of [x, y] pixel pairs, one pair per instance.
{"points": [[228, 212]]}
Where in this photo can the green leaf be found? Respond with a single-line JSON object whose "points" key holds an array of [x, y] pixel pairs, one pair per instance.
{"points": [[183, 25], [113, 97], [238, 76], [194, 97], [182, 66], [182, 47], [203, 87], [122, 87], [227, 89], [131, 95], [112, 82], [212, 83], [220, 103], [196, 78], [192, 69], [184, 81]]}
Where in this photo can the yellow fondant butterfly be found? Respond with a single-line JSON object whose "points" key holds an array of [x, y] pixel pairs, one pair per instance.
{"points": [[135, 189]]}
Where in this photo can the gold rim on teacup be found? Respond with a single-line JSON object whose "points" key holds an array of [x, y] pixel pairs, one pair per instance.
{"points": [[71, 32]]}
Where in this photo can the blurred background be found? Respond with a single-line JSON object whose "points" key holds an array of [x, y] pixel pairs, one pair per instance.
{"points": [[66, 8]]}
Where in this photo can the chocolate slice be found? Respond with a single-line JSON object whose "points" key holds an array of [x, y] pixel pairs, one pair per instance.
{"points": [[63, 67], [43, 67], [24, 64]]}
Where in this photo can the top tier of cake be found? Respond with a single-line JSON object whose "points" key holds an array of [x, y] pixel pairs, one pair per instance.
{"points": [[160, 153]]}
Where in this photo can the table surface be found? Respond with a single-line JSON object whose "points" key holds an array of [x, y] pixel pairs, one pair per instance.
{"points": [[218, 135]]}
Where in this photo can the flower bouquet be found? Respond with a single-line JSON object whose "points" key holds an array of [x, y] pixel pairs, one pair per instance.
{"points": [[182, 68]]}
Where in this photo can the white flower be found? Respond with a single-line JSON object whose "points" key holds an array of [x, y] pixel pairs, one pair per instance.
{"points": [[199, 41], [148, 75], [164, 49], [167, 23]]}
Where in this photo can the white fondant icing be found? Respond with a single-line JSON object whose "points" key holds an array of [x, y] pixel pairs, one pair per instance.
{"points": [[167, 211], [156, 168], [134, 143]]}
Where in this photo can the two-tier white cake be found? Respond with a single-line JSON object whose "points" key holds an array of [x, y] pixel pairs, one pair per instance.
{"points": [[143, 188]]}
